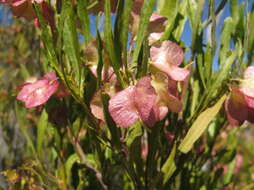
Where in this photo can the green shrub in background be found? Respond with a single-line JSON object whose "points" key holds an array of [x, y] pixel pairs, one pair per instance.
{"points": [[124, 109]]}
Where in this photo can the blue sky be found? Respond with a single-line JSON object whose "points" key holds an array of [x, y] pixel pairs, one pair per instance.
{"points": [[5, 16]]}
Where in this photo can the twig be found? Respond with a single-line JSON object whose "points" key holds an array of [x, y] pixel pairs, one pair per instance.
{"points": [[83, 159]]}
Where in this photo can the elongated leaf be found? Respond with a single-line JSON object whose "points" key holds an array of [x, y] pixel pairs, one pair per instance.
{"points": [[201, 68], [84, 18], [200, 125], [180, 21], [143, 66], [251, 32], [195, 96], [223, 73], [194, 11], [228, 177], [69, 164], [100, 59], [135, 152], [234, 9], [24, 72], [208, 59], [71, 45], [227, 31], [134, 132], [203, 188], [41, 129], [211, 43], [110, 123], [48, 43], [21, 117], [169, 166], [125, 28], [213, 26], [220, 77], [168, 8], [118, 27], [114, 57], [146, 12]]}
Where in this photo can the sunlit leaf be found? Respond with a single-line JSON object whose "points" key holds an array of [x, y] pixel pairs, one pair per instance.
{"points": [[200, 125], [41, 130], [146, 12], [169, 166], [134, 132]]}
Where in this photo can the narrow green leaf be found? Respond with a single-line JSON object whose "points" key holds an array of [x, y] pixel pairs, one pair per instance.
{"points": [[48, 43], [69, 164], [181, 19], [240, 25], [110, 123], [41, 130], [211, 44], [226, 34], [219, 78], [52, 131], [222, 75], [213, 26], [194, 11], [169, 166], [168, 8], [100, 58], [125, 28], [200, 125], [24, 71], [71, 45], [84, 18], [114, 58], [208, 59], [135, 152], [203, 188], [146, 12], [234, 9], [200, 68], [195, 96], [251, 32], [143, 66], [118, 28], [228, 177], [133, 132], [20, 113]]}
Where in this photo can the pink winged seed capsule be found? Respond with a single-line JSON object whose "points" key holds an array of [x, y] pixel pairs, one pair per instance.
{"points": [[168, 94], [135, 102], [173, 99], [122, 108], [236, 108], [156, 27], [247, 86], [96, 106], [38, 92], [239, 105], [156, 23], [144, 99], [167, 57]]}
